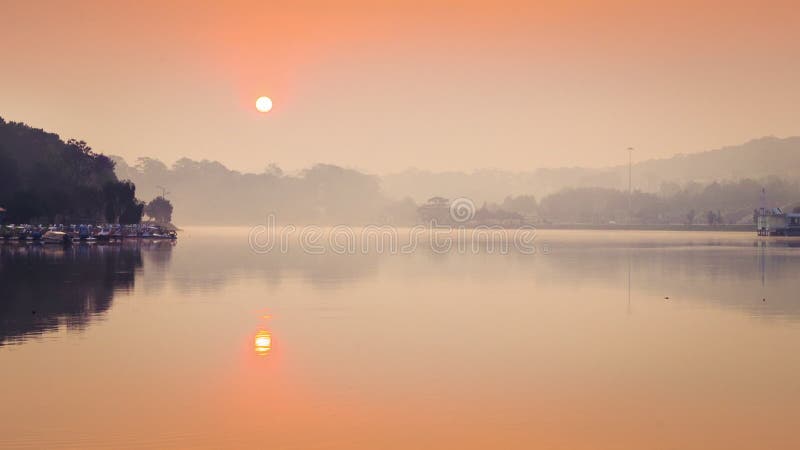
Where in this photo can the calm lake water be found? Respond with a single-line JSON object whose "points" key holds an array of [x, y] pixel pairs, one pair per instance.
{"points": [[205, 343]]}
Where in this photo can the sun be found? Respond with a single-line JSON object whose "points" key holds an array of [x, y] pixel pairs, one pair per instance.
{"points": [[263, 104]]}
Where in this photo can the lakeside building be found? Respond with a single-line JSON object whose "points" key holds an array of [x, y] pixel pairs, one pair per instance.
{"points": [[774, 222]]}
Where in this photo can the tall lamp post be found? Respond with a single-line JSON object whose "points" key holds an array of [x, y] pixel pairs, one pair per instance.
{"points": [[164, 191], [630, 191]]}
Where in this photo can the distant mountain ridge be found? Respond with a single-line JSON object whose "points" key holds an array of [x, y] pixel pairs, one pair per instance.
{"points": [[756, 159]]}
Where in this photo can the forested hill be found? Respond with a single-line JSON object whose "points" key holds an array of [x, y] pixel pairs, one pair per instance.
{"points": [[44, 179], [211, 194]]}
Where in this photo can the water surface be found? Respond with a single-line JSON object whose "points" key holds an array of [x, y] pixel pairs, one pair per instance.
{"points": [[207, 344]]}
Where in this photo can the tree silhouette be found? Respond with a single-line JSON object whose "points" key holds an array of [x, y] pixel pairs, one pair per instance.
{"points": [[44, 179], [160, 209]]}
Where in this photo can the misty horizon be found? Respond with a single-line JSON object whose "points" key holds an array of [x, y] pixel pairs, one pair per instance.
{"points": [[720, 187]]}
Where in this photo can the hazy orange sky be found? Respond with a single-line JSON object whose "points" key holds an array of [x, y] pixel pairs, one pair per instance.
{"points": [[383, 86]]}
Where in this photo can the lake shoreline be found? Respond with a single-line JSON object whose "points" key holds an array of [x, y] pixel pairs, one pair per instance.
{"points": [[640, 227]]}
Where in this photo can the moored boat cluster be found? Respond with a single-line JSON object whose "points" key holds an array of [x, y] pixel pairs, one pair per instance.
{"points": [[67, 234]]}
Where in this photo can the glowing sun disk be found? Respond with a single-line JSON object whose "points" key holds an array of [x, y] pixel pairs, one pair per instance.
{"points": [[263, 104]]}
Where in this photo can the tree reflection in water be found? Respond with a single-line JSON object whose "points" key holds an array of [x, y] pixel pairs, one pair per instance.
{"points": [[43, 287]]}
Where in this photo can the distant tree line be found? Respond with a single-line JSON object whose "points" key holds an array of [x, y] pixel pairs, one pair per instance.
{"points": [[717, 203], [44, 179], [210, 193]]}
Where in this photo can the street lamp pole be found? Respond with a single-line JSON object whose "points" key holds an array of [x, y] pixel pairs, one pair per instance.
{"points": [[630, 191], [164, 191]]}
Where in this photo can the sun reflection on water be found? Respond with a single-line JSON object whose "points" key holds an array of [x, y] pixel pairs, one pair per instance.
{"points": [[262, 342]]}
